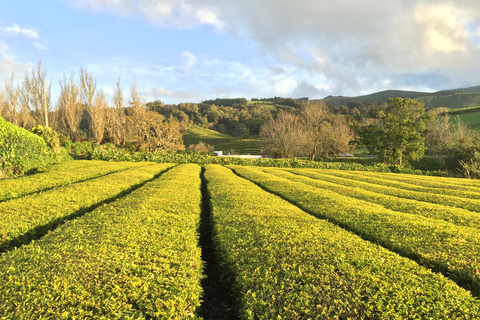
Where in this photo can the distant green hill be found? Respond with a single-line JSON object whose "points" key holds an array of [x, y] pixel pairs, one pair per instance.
{"points": [[222, 142], [451, 99]]}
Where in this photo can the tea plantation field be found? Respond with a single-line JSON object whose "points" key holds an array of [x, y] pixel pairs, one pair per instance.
{"points": [[103, 240]]}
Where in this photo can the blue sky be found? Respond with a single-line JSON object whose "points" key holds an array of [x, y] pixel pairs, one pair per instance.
{"points": [[189, 51]]}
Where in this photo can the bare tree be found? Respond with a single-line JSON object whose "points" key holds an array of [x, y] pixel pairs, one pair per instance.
{"points": [[164, 135], [312, 117], [38, 94], [340, 134], [11, 102], [70, 110], [116, 116], [284, 135], [98, 116], [3, 108], [137, 124], [88, 87]]}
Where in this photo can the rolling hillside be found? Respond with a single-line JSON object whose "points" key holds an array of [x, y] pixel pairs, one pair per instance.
{"points": [[452, 99], [222, 142]]}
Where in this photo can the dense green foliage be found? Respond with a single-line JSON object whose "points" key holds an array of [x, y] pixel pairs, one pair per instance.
{"points": [[286, 264], [235, 117], [327, 179], [21, 150], [434, 243], [136, 258], [25, 218], [221, 142], [397, 138], [55, 176]]}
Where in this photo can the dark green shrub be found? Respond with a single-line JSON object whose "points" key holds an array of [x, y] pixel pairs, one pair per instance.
{"points": [[65, 142], [50, 136], [21, 150], [84, 148]]}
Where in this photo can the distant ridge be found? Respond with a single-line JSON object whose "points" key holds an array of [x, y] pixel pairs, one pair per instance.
{"points": [[452, 98]]}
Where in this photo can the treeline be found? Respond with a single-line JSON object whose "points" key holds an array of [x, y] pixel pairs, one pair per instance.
{"points": [[83, 112], [235, 117]]}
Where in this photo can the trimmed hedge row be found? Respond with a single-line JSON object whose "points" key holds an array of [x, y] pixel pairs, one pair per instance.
{"points": [[287, 264], [446, 200], [23, 218], [433, 182], [434, 243], [57, 175], [135, 258], [428, 187], [316, 179]]}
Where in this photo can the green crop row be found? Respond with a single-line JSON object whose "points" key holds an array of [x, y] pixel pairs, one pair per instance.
{"points": [[471, 185], [135, 258], [287, 264], [433, 243], [430, 188], [356, 181], [58, 175], [429, 181], [316, 179], [24, 218]]}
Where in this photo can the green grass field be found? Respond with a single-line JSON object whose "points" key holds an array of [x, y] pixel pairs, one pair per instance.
{"points": [[471, 120], [222, 142]]}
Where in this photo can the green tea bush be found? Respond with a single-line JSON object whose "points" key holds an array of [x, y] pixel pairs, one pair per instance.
{"points": [[135, 258], [287, 264], [433, 243], [84, 148], [21, 150]]}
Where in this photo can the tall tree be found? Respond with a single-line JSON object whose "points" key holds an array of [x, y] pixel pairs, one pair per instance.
{"points": [[312, 118], [70, 109], [88, 87], [283, 136], [137, 122], [11, 102], [38, 93], [397, 137], [116, 116], [98, 116]]}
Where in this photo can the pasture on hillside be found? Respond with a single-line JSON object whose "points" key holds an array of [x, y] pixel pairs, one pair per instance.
{"points": [[94, 239]]}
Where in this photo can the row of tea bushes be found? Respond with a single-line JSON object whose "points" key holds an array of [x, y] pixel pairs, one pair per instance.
{"points": [[287, 264], [316, 179], [25, 218], [446, 200], [429, 186], [434, 243], [432, 182], [135, 258], [58, 175]]}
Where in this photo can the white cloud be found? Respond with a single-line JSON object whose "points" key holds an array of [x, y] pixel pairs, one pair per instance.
{"points": [[189, 59], [322, 47], [8, 63], [161, 93], [40, 46], [15, 30], [171, 13]]}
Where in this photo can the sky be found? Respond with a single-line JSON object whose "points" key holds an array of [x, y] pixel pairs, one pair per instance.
{"points": [[189, 51]]}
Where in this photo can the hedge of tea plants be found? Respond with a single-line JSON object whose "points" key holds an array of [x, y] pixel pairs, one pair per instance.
{"points": [[135, 258], [27, 217], [57, 175], [434, 243], [286, 264], [432, 210]]}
